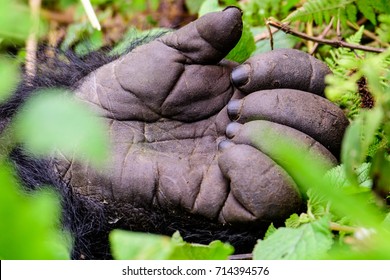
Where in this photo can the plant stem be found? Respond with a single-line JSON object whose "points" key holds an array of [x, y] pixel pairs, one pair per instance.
{"points": [[309, 30], [271, 37], [322, 35], [266, 34], [31, 44], [337, 227], [335, 43], [241, 257]]}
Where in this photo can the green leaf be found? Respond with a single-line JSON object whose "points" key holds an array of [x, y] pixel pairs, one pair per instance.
{"points": [[351, 12], [9, 73], [53, 120], [309, 241], [308, 172], [15, 20], [384, 30], [323, 10], [294, 221], [134, 35], [317, 206], [93, 43], [216, 250], [271, 229], [64, 4], [244, 48], [358, 137], [386, 221], [126, 245], [366, 8], [338, 177], [29, 226], [287, 5], [380, 173], [281, 41], [193, 6], [209, 6], [375, 68], [75, 32]]}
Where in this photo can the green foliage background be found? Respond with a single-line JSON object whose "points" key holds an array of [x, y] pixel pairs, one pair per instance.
{"points": [[347, 214]]}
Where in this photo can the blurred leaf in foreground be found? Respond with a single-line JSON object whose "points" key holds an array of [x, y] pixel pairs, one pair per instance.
{"points": [[380, 174], [53, 120], [309, 172], [9, 74], [357, 140], [15, 20], [209, 6], [29, 227], [338, 177], [193, 6], [126, 245], [309, 241], [134, 35]]}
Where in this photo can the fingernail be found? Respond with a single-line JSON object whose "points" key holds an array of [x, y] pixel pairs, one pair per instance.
{"points": [[229, 7], [223, 145], [234, 108], [240, 75], [232, 129]]}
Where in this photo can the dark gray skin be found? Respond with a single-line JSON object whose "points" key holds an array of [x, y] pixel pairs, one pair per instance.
{"points": [[306, 112], [166, 105]]}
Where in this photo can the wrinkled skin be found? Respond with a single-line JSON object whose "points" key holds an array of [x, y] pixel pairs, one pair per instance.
{"points": [[166, 105]]}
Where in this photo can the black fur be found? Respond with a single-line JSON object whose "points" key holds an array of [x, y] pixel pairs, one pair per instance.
{"points": [[91, 221]]}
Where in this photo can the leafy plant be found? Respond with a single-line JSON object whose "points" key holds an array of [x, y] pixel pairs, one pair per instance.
{"points": [[53, 121], [30, 226], [27, 233], [323, 10], [143, 246], [309, 241], [347, 214]]}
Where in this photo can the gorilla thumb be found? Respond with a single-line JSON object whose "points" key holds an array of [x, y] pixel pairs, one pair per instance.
{"points": [[208, 39]]}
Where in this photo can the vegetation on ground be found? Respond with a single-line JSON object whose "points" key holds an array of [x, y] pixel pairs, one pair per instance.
{"points": [[347, 214]]}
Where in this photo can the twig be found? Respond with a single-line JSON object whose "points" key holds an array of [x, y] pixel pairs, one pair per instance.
{"points": [[334, 43], [31, 44], [322, 35], [91, 14], [241, 257], [63, 17], [309, 30], [338, 30], [271, 37], [265, 35], [337, 227]]}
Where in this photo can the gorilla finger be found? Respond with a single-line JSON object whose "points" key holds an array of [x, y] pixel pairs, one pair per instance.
{"points": [[260, 190], [282, 68], [154, 68], [265, 136], [201, 91], [311, 114], [208, 39]]}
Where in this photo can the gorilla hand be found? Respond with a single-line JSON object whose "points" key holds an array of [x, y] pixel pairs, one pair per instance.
{"points": [[165, 106]]}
